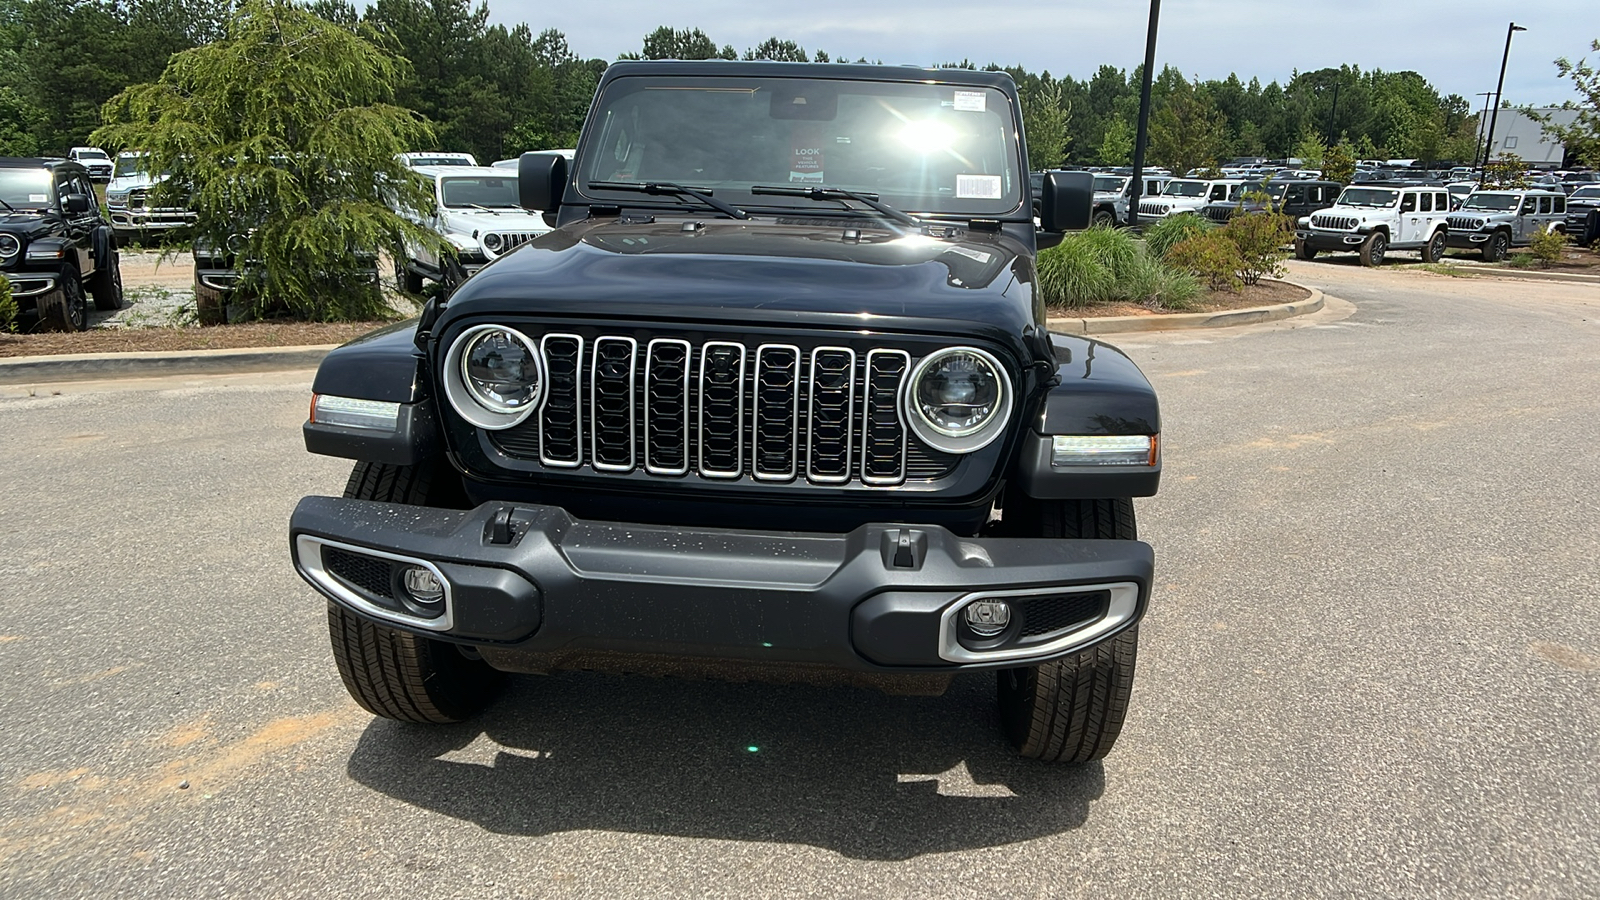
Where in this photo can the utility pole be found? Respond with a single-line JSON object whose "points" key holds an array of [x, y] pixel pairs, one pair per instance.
{"points": [[1143, 135], [1333, 117], [1494, 115]]}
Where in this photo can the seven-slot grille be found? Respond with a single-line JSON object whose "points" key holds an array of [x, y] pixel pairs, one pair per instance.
{"points": [[1220, 213], [1464, 223], [1334, 223], [1147, 208], [724, 410], [511, 240]]}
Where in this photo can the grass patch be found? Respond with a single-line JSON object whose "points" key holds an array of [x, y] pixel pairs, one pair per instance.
{"points": [[1444, 268]]}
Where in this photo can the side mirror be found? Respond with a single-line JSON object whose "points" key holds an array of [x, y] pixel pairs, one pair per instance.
{"points": [[1066, 201], [541, 180], [75, 203]]}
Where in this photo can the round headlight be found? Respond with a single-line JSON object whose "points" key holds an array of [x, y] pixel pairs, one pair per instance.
{"points": [[492, 242], [959, 399], [494, 376], [9, 246]]}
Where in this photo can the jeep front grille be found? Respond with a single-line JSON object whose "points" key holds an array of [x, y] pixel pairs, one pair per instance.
{"points": [[1220, 213], [724, 410], [1152, 209], [1334, 223], [1464, 223], [511, 240]]}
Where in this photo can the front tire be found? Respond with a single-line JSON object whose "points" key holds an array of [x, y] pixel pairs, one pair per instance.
{"points": [[1103, 218], [1070, 710], [1498, 246], [1301, 251], [396, 674], [1433, 251], [1373, 248], [210, 306]]}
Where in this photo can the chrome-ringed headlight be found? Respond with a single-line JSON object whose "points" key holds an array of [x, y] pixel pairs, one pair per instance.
{"points": [[958, 399], [493, 242], [9, 246], [494, 376]]}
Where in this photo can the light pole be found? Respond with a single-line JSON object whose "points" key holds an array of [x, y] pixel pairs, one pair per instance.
{"points": [[1143, 134], [1494, 115], [1483, 122]]}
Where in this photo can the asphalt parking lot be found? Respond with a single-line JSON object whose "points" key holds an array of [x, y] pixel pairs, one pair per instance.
{"points": [[1371, 665]]}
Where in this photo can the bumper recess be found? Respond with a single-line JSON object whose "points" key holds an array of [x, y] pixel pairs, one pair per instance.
{"points": [[882, 598]]}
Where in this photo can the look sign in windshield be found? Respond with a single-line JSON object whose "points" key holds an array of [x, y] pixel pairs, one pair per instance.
{"points": [[920, 147]]}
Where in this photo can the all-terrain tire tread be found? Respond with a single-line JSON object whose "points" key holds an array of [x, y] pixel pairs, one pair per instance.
{"points": [[392, 673]]}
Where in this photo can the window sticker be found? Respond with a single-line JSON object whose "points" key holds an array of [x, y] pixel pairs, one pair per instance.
{"points": [[975, 255], [38, 198], [805, 160], [978, 187], [970, 101]]}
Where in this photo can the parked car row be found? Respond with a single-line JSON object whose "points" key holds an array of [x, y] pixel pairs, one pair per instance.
{"points": [[1373, 219]]}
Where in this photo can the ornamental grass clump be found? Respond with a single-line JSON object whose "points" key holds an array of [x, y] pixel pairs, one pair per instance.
{"points": [[1107, 266], [1172, 231]]}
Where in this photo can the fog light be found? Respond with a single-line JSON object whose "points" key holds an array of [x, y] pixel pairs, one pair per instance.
{"points": [[423, 586], [988, 618]]}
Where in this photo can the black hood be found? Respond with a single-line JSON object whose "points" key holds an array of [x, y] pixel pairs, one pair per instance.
{"points": [[25, 224], [823, 272]]}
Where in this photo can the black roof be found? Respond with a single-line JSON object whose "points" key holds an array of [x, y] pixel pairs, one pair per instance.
{"points": [[36, 162], [843, 71]]}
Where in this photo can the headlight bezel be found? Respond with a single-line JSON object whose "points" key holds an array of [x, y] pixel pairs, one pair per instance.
{"points": [[468, 403], [943, 439]]}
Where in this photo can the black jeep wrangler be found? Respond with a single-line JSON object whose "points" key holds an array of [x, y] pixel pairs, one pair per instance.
{"points": [[54, 244], [775, 400]]}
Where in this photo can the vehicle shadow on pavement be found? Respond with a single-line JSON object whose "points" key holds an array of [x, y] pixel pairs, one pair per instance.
{"points": [[854, 771]]}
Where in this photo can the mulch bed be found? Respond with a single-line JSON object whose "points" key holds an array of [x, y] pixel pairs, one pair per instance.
{"points": [[221, 337], [1266, 293]]}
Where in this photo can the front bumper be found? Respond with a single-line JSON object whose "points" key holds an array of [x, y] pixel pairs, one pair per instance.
{"points": [[882, 598], [1330, 240], [1466, 238]]}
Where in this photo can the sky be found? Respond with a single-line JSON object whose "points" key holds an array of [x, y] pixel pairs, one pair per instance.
{"points": [[1456, 45]]}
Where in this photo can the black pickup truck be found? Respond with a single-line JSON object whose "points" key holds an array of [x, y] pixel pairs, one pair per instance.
{"points": [[774, 400], [55, 248]]}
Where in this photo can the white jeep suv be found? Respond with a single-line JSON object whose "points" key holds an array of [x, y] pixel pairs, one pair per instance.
{"points": [[477, 209], [1188, 195], [1374, 219]]}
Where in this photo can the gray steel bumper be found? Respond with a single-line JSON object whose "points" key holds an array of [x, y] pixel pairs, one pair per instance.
{"points": [[882, 598]]}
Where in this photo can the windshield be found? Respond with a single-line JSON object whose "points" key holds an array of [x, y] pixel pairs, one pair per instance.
{"points": [[1109, 184], [1186, 189], [1377, 197], [1496, 202], [919, 147], [91, 154], [1588, 193], [439, 161], [494, 192], [25, 187], [128, 165]]}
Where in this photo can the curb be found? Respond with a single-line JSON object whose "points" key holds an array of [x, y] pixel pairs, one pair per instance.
{"points": [[1530, 274], [1176, 321], [152, 364]]}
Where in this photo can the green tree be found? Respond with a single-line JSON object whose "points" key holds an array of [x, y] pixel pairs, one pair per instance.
{"points": [[777, 51], [1582, 136], [1187, 132], [1339, 162], [1044, 120], [1116, 146], [1310, 151], [284, 132], [669, 43], [1505, 171]]}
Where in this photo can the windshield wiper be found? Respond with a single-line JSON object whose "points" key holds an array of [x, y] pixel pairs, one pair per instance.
{"points": [[667, 187], [8, 206], [837, 195]]}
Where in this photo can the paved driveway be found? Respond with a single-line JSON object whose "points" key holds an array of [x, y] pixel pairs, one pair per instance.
{"points": [[1371, 667]]}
